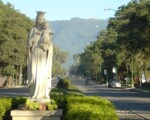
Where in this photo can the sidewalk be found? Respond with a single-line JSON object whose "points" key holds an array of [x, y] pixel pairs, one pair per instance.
{"points": [[128, 115]]}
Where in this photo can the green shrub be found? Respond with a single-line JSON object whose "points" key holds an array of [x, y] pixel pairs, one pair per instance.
{"points": [[52, 105], [64, 83], [90, 100], [2, 111], [32, 105], [5, 105], [90, 108], [16, 101], [60, 95]]}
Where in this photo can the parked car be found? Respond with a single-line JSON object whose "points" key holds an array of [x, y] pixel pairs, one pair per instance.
{"points": [[114, 84]]}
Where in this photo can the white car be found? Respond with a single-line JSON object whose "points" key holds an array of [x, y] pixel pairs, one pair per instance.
{"points": [[114, 84]]}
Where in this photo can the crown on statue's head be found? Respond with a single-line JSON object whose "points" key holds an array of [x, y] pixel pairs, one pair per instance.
{"points": [[40, 13]]}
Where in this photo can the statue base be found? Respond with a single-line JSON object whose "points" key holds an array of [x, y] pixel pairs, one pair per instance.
{"points": [[37, 115], [40, 100]]}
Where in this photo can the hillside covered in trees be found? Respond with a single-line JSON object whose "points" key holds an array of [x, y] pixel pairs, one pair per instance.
{"points": [[73, 35]]}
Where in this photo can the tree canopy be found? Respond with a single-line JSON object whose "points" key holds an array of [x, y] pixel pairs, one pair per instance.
{"points": [[124, 44], [14, 28]]}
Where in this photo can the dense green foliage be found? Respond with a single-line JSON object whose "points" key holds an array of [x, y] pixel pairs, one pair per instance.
{"points": [[14, 28], [31, 105], [60, 96], [90, 108], [124, 45], [133, 36], [7, 104], [77, 106], [64, 83]]}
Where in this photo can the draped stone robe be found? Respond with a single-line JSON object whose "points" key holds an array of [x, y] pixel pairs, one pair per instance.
{"points": [[39, 65]]}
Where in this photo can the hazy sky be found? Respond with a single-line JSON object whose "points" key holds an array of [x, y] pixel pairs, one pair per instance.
{"points": [[66, 9]]}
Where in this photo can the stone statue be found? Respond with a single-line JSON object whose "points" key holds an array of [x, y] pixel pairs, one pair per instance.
{"points": [[40, 53]]}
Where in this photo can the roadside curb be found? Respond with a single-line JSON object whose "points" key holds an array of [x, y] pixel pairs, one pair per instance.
{"points": [[13, 87], [136, 89]]}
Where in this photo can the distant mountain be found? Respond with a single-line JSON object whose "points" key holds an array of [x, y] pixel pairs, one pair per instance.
{"points": [[73, 35]]}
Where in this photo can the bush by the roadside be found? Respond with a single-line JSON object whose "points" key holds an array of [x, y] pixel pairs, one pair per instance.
{"points": [[77, 106], [5, 105], [63, 83], [90, 108], [61, 95]]}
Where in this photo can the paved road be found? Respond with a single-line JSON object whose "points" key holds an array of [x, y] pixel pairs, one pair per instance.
{"points": [[124, 100], [13, 92], [19, 91]]}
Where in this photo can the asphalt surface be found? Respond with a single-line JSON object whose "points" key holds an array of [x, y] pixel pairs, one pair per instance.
{"points": [[14, 92], [19, 90]]}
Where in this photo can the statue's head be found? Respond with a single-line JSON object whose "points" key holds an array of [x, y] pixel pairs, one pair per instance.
{"points": [[40, 13], [40, 17]]}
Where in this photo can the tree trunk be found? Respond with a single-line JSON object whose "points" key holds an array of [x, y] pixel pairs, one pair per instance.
{"points": [[20, 75], [17, 74], [8, 81]]}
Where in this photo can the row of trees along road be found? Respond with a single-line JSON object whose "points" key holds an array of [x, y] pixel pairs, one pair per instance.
{"points": [[14, 29], [125, 44]]}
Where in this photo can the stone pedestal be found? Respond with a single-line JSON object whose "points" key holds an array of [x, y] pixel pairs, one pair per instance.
{"points": [[36, 115]]}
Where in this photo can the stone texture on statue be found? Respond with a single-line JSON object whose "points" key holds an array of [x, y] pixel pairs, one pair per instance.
{"points": [[40, 53]]}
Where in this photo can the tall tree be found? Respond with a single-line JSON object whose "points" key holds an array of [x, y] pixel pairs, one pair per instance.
{"points": [[131, 22], [14, 28]]}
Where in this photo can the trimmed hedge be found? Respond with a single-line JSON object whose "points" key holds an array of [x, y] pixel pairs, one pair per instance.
{"points": [[64, 83], [77, 106], [6, 104], [90, 108]]}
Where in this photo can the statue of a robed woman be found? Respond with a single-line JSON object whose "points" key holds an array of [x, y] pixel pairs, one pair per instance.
{"points": [[40, 53]]}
